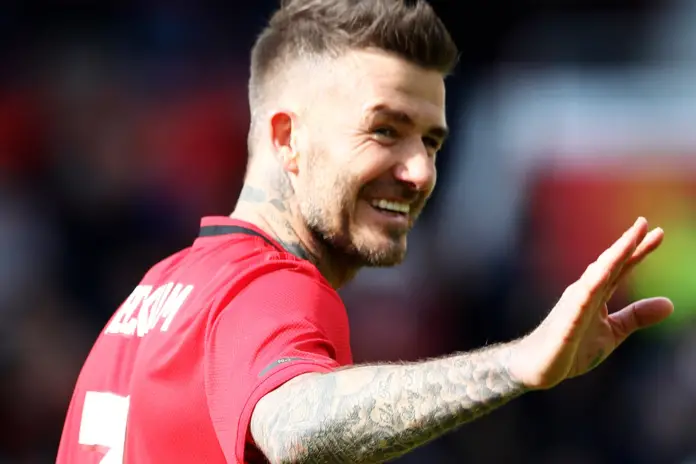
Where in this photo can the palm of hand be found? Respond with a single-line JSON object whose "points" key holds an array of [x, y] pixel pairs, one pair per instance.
{"points": [[596, 344]]}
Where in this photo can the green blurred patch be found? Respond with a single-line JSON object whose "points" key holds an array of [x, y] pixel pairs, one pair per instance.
{"points": [[671, 272]]}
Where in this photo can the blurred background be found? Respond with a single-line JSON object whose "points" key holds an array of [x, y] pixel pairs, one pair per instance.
{"points": [[122, 123]]}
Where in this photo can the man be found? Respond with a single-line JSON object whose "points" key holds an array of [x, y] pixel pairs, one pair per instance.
{"points": [[236, 349]]}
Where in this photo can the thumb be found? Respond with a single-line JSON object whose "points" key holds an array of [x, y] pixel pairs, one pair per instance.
{"points": [[639, 315]]}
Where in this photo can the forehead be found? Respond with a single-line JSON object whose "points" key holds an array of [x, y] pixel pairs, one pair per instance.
{"points": [[362, 80]]}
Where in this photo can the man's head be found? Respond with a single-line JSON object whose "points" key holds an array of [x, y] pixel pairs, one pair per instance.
{"points": [[348, 96]]}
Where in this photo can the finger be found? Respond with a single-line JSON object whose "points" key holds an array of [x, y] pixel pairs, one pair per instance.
{"points": [[639, 315], [620, 252], [601, 274], [637, 233], [649, 244]]}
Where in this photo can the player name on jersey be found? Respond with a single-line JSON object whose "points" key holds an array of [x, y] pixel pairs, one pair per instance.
{"points": [[146, 307]]}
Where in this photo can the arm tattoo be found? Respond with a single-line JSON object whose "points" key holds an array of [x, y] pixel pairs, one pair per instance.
{"points": [[371, 414]]}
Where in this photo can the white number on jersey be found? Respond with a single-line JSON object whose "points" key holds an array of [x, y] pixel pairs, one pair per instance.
{"points": [[103, 423]]}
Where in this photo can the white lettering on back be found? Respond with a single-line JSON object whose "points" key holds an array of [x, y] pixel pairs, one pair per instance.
{"points": [[162, 304]]}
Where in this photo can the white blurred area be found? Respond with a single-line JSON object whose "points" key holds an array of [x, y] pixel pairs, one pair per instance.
{"points": [[626, 120]]}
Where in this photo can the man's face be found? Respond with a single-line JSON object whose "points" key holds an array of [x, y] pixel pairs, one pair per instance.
{"points": [[367, 146]]}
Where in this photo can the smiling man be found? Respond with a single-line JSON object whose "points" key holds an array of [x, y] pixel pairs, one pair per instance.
{"points": [[236, 349], [343, 163]]}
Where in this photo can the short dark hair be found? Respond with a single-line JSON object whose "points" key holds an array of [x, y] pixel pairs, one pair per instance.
{"points": [[408, 28]]}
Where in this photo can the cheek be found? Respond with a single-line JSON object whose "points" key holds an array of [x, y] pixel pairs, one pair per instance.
{"points": [[335, 180], [376, 163], [324, 189]]}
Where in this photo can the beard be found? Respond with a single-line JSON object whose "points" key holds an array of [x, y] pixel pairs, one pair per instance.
{"points": [[329, 215], [344, 248]]}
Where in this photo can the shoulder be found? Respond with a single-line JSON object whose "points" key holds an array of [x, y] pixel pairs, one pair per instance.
{"points": [[282, 283], [285, 272]]}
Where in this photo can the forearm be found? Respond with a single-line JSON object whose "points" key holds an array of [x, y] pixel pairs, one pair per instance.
{"points": [[370, 414]]}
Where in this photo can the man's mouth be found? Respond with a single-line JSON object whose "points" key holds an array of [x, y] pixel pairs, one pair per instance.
{"points": [[391, 206]]}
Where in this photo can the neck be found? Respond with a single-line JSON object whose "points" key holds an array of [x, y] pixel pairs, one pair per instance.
{"points": [[271, 205]]}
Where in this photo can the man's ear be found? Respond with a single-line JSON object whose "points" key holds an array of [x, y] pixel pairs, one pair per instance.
{"points": [[283, 139]]}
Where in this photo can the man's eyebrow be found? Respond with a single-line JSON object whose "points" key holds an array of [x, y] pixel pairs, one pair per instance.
{"points": [[401, 117]]}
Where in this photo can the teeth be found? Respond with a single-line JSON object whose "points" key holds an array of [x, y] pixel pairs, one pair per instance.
{"points": [[391, 206]]}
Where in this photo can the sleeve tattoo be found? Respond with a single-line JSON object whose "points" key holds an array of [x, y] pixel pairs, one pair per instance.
{"points": [[374, 413]]}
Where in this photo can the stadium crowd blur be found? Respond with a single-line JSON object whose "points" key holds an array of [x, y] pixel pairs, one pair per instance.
{"points": [[122, 123]]}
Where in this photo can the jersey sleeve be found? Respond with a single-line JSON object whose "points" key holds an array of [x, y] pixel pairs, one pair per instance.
{"points": [[283, 324]]}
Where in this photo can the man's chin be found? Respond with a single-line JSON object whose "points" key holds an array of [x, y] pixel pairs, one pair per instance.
{"points": [[384, 255], [371, 250]]}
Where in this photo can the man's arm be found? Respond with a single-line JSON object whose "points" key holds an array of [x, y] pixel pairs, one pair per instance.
{"points": [[374, 413]]}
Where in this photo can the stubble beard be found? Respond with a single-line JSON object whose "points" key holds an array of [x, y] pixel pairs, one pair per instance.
{"points": [[329, 222]]}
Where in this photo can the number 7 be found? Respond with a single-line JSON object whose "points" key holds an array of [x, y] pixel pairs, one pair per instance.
{"points": [[104, 417]]}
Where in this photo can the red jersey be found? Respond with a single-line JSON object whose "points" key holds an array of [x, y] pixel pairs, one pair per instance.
{"points": [[175, 374]]}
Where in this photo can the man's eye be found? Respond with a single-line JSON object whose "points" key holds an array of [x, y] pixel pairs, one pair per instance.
{"points": [[386, 132], [430, 142]]}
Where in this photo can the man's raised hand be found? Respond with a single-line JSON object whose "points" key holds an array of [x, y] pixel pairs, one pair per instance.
{"points": [[579, 333]]}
